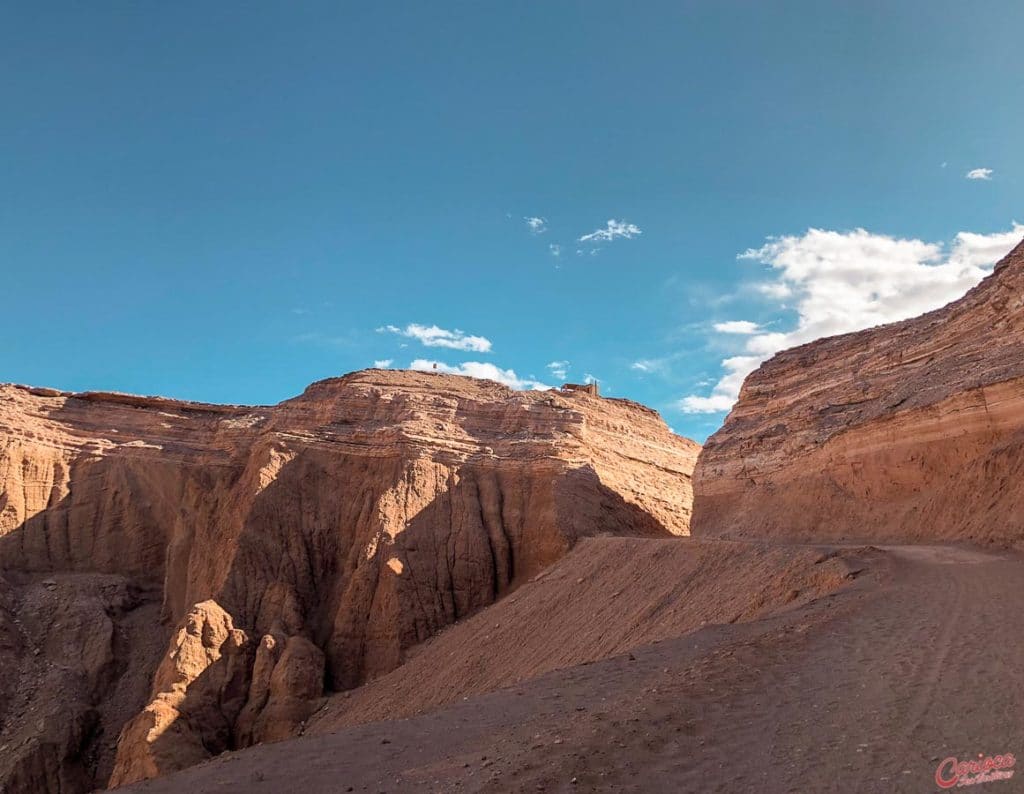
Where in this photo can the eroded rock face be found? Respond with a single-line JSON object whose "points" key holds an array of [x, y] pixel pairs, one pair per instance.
{"points": [[198, 691], [913, 430], [76, 653], [309, 544]]}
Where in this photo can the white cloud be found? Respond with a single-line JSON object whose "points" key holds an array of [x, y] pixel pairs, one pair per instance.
{"points": [[775, 290], [648, 366], [737, 327], [559, 369], [537, 225], [979, 173], [724, 394], [555, 249], [971, 250], [588, 378], [612, 230], [847, 281], [716, 403], [433, 336], [383, 363], [479, 369]]}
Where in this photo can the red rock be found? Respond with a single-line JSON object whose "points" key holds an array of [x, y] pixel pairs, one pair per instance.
{"points": [[198, 691], [317, 540], [913, 430]]}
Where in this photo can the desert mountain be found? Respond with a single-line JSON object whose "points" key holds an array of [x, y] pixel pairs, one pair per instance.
{"points": [[913, 430], [771, 655], [398, 554], [181, 578]]}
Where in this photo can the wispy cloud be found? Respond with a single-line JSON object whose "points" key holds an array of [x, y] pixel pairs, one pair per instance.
{"points": [[383, 363], [555, 249], [559, 369], [649, 365], [726, 390], [737, 327], [979, 173], [613, 230], [434, 336], [479, 369], [665, 366], [536, 224], [847, 281]]}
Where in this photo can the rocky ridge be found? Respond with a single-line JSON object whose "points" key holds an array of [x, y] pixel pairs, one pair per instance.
{"points": [[291, 548], [908, 431]]}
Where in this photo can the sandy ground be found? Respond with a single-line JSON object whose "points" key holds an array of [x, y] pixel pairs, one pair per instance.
{"points": [[607, 596], [863, 690]]}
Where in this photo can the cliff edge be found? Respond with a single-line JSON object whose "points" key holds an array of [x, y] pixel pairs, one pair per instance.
{"points": [[270, 553], [907, 431]]}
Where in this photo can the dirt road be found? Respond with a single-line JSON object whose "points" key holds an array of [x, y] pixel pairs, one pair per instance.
{"points": [[867, 690]]}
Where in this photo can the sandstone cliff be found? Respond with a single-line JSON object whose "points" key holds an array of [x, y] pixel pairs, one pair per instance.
{"points": [[294, 547], [913, 430]]}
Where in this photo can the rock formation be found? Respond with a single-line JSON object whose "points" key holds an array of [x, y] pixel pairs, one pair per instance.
{"points": [[287, 549], [198, 692], [913, 430], [77, 651]]}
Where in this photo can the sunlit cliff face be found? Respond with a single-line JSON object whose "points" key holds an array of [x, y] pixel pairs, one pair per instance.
{"points": [[313, 542]]}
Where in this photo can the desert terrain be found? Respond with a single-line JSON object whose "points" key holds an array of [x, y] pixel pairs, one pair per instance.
{"points": [[403, 581], [867, 688]]}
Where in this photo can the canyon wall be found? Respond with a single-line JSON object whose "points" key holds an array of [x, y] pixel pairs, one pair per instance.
{"points": [[908, 431], [289, 549]]}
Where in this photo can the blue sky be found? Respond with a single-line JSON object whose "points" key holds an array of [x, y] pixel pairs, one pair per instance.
{"points": [[227, 201]]}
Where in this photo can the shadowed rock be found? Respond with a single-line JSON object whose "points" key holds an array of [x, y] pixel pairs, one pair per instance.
{"points": [[311, 544]]}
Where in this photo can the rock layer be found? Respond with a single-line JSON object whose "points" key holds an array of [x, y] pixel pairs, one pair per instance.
{"points": [[322, 537], [913, 430]]}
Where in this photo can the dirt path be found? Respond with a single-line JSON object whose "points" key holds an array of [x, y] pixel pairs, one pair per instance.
{"points": [[866, 691], [928, 666]]}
